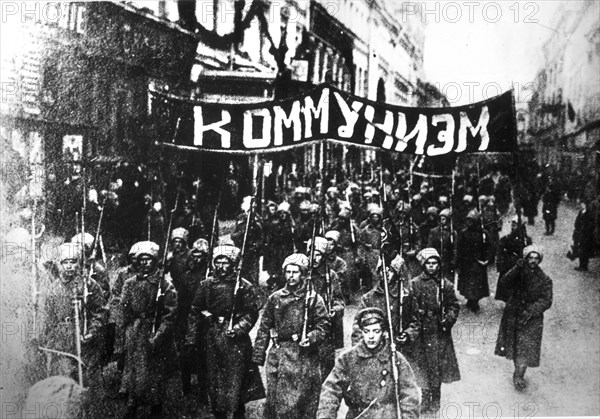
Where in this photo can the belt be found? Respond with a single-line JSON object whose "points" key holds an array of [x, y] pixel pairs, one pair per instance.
{"points": [[292, 338]]}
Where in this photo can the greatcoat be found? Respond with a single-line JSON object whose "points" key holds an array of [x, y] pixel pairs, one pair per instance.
{"points": [[293, 372], [522, 324], [473, 245]]}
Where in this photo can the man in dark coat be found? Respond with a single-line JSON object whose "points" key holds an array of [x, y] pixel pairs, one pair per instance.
{"points": [[436, 310], [442, 239], [149, 306], [510, 249], [583, 236], [254, 243], [550, 201], [363, 377], [473, 253], [177, 259], [522, 324], [59, 328], [326, 283], [224, 321], [293, 371], [279, 239]]}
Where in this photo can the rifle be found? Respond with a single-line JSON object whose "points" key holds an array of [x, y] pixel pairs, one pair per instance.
{"points": [[238, 278], [215, 223], [77, 306], [309, 283], [164, 261], [393, 354]]}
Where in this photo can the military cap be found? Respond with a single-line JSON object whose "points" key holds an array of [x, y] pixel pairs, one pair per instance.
{"points": [[283, 207], [180, 233], [370, 315], [432, 210], [271, 204], [333, 235], [200, 245], [147, 248], [533, 248], [445, 213], [468, 198], [297, 259], [314, 208], [374, 209], [88, 239], [320, 244], [304, 205], [344, 212], [69, 251], [427, 253], [473, 214], [229, 251], [332, 189]]}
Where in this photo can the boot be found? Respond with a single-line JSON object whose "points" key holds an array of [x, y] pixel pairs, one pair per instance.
{"points": [[519, 378], [436, 396]]}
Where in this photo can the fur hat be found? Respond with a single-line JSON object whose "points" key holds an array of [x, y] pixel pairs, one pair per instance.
{"points": [[69, 251], [427, 253], [321, 244], [200, 245], [227, 250], [147, 248], [88, 239], [533, 248], [284, 207], [297, 259], [333, 235], [180, 233]]}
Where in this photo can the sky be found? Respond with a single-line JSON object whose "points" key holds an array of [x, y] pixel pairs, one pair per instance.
{"points": [[475, 50]]}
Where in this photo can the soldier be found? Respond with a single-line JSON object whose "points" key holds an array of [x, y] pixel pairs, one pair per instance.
{"points": [[347, 244], [376, 298], [442, 239], [279, 239], [529, 292], [510, 248], [473, 253], [327, 285], [59, 328], [435, 310], [186, 286], [191, 221], [149, 306], [221, 322], [363, 376], [177, 260], [430, 222], [291, 355], [332, 204], [254, 243], [583, 236], [370, 239], [335, 262], [492, 223], [304, 223], [95, 269], [115, 319], [410, 241]]}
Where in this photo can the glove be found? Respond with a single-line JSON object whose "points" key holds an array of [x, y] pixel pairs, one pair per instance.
{"points": [[524, 318], [403, 338]]}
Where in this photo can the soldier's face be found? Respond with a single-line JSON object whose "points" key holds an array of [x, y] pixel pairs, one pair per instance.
{"points": [[533, 260], [372, 335], [443, 220], [318, 257], [330, 245], [223, 267], [293, 275], [431, 266], [146, 264], [375, 219], [272, 209], [178, 245], [69, 267], [197, 258]]}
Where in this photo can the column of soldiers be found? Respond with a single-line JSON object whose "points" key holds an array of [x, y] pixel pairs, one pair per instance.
{"points": [[192, 314]]}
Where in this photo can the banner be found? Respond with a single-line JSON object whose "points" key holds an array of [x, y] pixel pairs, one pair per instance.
{"points": [[327, 113]]}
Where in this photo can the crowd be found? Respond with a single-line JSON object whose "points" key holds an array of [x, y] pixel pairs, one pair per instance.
{"points": [[187, 308]]}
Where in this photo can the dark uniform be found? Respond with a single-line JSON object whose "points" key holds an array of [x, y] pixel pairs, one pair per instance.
{"points": [[293, 372], [510, 249]]}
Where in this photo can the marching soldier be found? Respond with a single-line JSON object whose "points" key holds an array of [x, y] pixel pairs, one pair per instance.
{"points": [[254, 245], [473, 253], [326, 284], [335, 262], [376, 298], [59, 328], [304, 223], [186, 286], [441, 238], [149, 306], [363, 377], [95, 269], [293, 354], [510, 249], [224, 318], [370, 239], [435, 310], [529, 292], [430, 223], [177, 262], [279, 239], [410, 241]]}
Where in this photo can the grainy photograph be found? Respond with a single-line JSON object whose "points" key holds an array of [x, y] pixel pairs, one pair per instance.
{"points": [[299, 209]]}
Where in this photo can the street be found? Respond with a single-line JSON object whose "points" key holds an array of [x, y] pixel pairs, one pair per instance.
{"points": [[567, 383]]}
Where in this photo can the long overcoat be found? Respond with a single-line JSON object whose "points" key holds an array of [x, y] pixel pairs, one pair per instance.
{"points": [[431, 347], [151, 372], [363, 379], [510, 249], [473, 245], [228, 359], [443, 240], [293, 373], [522, 324]]}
